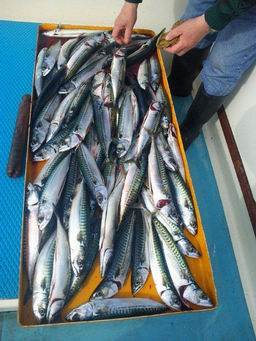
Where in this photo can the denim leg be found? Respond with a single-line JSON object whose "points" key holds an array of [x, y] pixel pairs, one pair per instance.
{"points": [[194, 9], [233, 52]]}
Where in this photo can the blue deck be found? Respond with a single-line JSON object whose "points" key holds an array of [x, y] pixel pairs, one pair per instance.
{"points": [[230, 321]]}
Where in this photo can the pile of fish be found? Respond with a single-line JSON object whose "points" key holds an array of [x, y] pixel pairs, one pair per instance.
{"points": [[113, 183]]}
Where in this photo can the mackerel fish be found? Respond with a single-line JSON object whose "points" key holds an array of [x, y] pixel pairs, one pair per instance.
{"points": [[81, 127], [117, 272], [140, 256], [92, 175], [160, 273], [51, 192], [128, 117], [39, 71], [115, 308], [61, 274], [79, 228], [49, 149], [42, 123], [92, 251], [155, 73], [184, 201], [118, 68], [143, 75], [182, 278], [109, 223], [50, 58], [59, 115], [173, 143], [32, 239], [162, 222], [42, 279], [133, 184], [149, 126]]}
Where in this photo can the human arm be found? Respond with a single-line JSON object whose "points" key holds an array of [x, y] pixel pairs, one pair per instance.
{"points": [[125, 22], [215, 18]]}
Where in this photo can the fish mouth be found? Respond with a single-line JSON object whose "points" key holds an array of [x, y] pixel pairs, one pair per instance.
{"points": [[72, 316], [190, 294], [192, 228]]}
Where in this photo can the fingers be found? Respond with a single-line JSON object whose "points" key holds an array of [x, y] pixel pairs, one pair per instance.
{"points": [[118, 34], [122, 35], [127, 35], [176, 49], [174, 33]]}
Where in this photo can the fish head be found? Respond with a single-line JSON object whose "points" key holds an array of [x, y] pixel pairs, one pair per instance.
{"points": [[140, 278], [106, 261], [165, 122], [67, 88], [78, 264], [54, 309], [109, 289], [154, 85], [70, 142], [45, 70], [169, 211], [192, 227], [156, 106], [40, 307], [32, 195], [37, 139], [171, 299], [81, 313], [44, 154], [44, 214], [171, 164], [120, 53], [101, 196], [108, 38], [189, 219], [122, 147], [193, 294], [188, 249]]}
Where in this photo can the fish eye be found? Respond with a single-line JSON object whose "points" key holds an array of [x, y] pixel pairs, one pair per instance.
{"points": [[40, 219], [176, 300], [75, 317], [41, 311]]}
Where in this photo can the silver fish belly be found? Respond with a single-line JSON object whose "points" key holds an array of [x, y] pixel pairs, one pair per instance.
{"points": [[51, 192], [115, 308], [118, 68], [61, 275], [42, 279], [109, 225]]}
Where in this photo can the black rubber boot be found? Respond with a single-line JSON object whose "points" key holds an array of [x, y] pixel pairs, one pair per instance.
{"points": [[185, 69], [203, 107]]}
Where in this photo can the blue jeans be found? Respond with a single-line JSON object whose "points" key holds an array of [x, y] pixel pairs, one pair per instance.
{"points": [[233, 50]]}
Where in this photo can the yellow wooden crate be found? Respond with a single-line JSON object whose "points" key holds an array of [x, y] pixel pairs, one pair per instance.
{"points": [[200, 268]]}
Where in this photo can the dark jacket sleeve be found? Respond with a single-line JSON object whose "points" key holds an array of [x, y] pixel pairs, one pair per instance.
{"points": [[134, 1], [219, 15]]}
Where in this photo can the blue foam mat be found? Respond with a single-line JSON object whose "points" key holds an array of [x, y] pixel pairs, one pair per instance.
{"points": [[229, 321], [18, 43]]}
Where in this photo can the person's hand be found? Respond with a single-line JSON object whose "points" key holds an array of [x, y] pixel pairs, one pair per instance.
{"points": [[190, 32], [124, 23]]}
